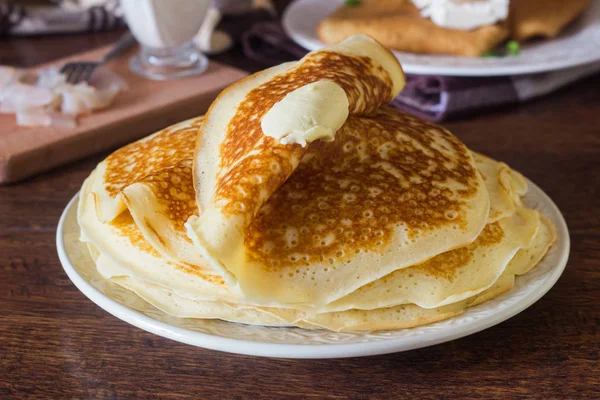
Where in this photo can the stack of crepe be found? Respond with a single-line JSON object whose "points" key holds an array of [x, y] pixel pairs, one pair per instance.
{"points": [[301, 199]]}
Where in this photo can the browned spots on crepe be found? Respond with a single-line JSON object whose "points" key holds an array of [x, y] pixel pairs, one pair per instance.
{"points": [[491, 234], [136, 160], [127, 228], [347, 196], [199, 272], [173, 188], [446, 265], [366, 85]]}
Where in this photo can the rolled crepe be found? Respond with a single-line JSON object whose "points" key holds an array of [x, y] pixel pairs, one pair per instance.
{"points": [[543, 18], [400, 26]]}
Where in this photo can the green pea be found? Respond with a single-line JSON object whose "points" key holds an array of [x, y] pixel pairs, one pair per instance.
{"points": [[513, 47]]}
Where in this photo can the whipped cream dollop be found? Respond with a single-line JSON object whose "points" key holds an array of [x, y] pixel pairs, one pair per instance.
{"points": [[311, 112], [463, 14]]}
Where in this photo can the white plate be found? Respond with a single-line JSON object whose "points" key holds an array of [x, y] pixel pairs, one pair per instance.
{"points": [[579, 44], [303, 343]]}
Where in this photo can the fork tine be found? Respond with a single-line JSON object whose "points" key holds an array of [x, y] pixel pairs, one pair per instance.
{"points": [[87, 74], [77, 73], [67, 70]]}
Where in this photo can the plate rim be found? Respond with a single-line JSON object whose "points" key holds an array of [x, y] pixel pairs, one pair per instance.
{"points": [[314, 351], [421, 69]]}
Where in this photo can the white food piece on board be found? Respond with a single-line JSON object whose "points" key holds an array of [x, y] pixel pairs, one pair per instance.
{"points": [[44, 98]]}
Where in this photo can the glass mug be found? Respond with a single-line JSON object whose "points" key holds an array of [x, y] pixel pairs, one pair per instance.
{"points": [[165, 29]]}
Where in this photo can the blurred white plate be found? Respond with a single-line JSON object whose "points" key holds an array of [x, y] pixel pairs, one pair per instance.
{"points": [[304, 343], [579, 44]]}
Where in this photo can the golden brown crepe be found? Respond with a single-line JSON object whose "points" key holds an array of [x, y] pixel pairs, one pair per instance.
{"points": [[399, 25], [546, 18], [238, 165]]}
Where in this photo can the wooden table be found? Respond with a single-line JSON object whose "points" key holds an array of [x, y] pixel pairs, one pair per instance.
{"points": [[55, 343]]}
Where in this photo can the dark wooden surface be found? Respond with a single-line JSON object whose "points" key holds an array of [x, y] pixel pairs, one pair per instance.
{"points": [[55, 343]]}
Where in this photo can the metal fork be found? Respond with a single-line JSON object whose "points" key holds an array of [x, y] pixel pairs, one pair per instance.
{"points": [[81, 71]]}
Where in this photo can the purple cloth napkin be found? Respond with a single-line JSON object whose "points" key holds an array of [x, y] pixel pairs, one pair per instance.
{"points": [[267, 43], [432, 97], [436, 98]]}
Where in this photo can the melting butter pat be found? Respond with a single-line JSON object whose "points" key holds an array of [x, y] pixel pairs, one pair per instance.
{"points": [[311, 112]]}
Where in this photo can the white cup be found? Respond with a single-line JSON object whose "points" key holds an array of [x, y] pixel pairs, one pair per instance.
{"points": [[165, 29]]}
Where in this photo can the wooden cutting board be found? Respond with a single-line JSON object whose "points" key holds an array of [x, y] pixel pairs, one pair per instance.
{"points": [[144, 108]]}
